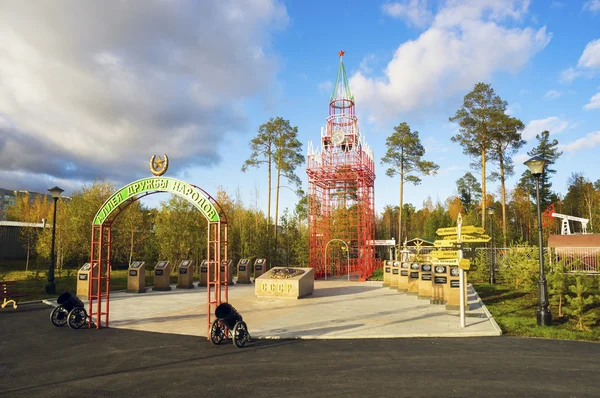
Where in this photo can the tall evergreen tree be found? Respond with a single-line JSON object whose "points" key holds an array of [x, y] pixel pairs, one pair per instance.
{"points": [[404, 154], [288, 156], [548, 149], [469, 190], [506, 140], [480, 111]]}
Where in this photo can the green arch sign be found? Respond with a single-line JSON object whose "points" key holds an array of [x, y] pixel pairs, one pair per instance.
{"points": [[158, 184]]}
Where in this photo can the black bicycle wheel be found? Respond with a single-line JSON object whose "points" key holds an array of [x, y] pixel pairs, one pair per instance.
{"points": [[240, 334], [77, 317], [217, 331], [58, 316]]}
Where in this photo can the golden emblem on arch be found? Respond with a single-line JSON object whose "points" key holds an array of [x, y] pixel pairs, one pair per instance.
{"points": [[159, 166]]}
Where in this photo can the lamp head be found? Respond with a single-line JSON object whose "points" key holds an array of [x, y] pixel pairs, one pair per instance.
{"points": [[491, 210], [55, 192], [536, 165]]}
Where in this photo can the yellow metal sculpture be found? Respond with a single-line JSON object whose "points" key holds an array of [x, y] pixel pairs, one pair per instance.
{"points": [[159, 166]]}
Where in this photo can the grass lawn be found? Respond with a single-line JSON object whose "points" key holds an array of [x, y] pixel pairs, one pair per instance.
{"points": [[515, 312], [33, 283]]}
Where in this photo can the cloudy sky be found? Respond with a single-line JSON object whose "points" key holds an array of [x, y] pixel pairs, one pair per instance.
{"points": [[93, 89]]}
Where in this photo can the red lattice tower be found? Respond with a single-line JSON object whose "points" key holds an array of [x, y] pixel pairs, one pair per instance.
{"points": [[341, 178]]}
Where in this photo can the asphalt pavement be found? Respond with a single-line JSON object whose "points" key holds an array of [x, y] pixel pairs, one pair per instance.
{"points": [[38, 359]]}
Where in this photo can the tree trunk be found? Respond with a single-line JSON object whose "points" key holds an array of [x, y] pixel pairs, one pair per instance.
{"points": [[269, 209], [483, 198], [400, 210], [27, 261], [277, 206], [131, 248], [503, 188]]}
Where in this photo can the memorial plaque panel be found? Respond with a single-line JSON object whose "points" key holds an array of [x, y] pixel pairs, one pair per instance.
{"points": [[440, 280], [403, 273], [183, 271], [454, 284], [414, 275], [242, 268], [158, 272], [426, 277], [133, 272], [395, 271], [83, 277]]}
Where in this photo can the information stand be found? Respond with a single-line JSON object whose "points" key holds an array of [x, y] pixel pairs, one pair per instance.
{"points": [[162, 276], [425, 281], [394, 275], [403, 277], [453, 301], [136, 277], [440, 285], [203, 282], [387, 272], [230, 272], [185, 276], [244, 271], [413, 279], [260, 267], [83, 281]]}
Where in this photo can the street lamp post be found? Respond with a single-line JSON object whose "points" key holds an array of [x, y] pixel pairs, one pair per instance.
{"points": [[544, 317], [51, 287], [490, 211]]}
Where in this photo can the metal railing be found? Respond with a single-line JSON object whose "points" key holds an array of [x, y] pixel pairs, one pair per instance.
{"points": [[576, 259]]}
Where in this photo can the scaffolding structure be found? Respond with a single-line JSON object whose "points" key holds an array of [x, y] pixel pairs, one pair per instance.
{"points": [[341, 177]]}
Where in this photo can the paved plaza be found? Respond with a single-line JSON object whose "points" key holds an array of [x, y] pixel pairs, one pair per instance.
{"points": [[40, 360], [338, 309]]}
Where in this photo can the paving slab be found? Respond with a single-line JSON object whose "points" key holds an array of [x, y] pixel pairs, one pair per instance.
{"points": [[338, 309]]}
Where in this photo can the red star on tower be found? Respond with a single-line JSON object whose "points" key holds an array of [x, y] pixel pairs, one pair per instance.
{"points": [[341, 53]]}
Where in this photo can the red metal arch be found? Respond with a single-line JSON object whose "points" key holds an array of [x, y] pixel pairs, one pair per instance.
{"points": [[100, 260]]}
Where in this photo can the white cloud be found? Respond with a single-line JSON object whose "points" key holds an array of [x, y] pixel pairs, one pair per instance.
{"points": [[325, 86], [552, 94], [96, 90], [592, 5], [591, 140], [553, 124], [465, 44], [594, 102], [366, 65], [591, 55], [511, 109], [568, 75], [520, 158], [413, 12], [587, 64]]}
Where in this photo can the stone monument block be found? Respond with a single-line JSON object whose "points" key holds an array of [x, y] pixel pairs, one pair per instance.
{"points": [[285, 282]]}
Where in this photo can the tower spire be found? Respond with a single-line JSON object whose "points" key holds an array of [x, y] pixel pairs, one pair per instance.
{"points": [[341, 89]]}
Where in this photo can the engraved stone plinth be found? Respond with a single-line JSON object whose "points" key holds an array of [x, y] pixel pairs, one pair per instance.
{"points": [[285, 282]]}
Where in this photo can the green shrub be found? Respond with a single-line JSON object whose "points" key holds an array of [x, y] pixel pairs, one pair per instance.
{"points": [[558, 285], [480, 268], [579, 302], [521, 267]]}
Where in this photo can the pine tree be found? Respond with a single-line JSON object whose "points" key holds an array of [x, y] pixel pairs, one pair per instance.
{"points": [[479, 113], [547, 149], [404, 154]]}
